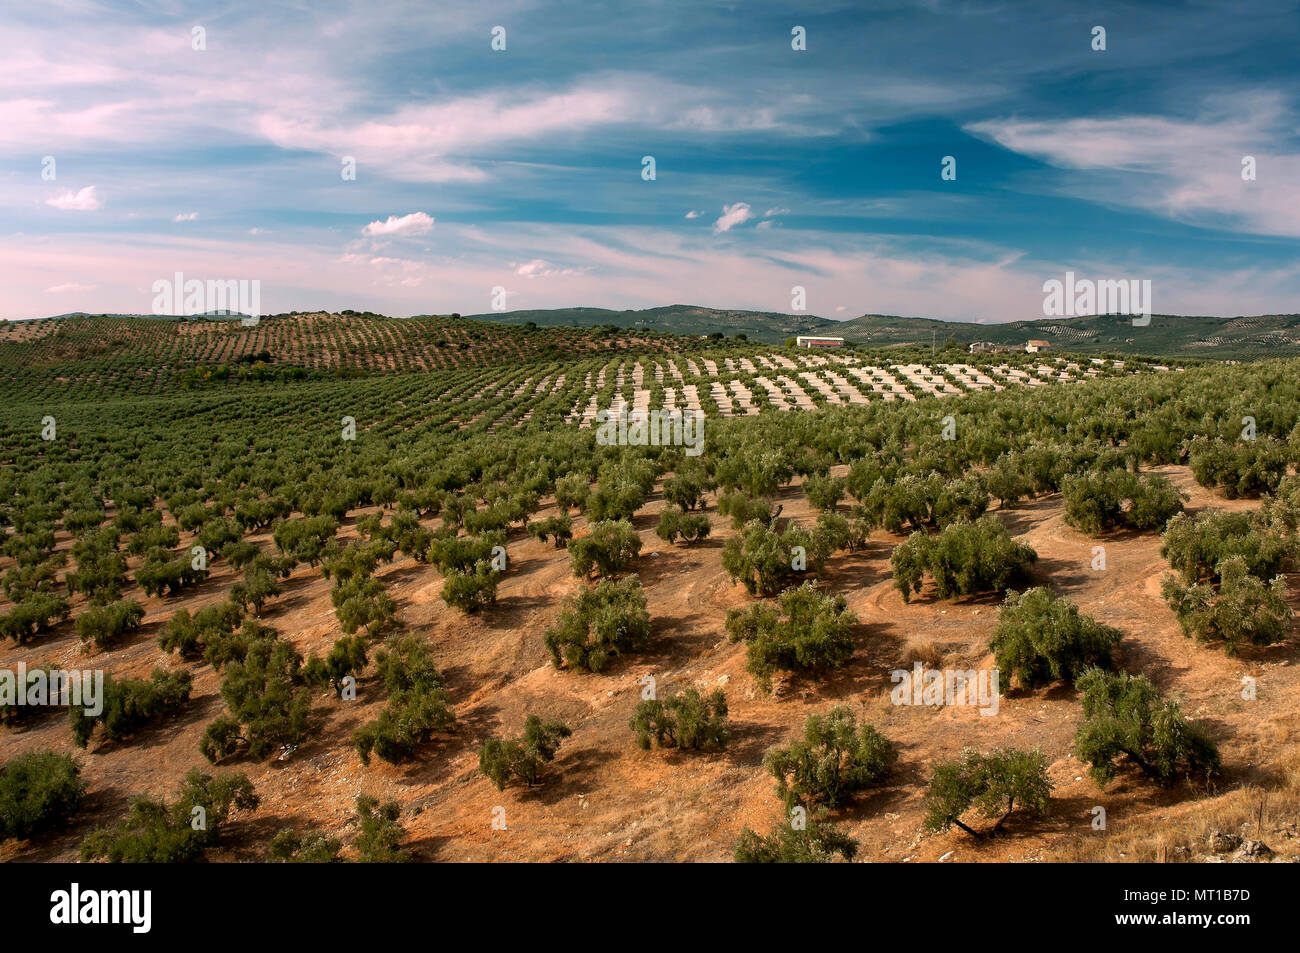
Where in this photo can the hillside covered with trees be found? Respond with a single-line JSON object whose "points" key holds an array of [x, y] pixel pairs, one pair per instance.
{"points": [[339, 554]]}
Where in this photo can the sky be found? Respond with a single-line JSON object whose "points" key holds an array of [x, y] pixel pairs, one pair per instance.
{"points": [[141, 139]]}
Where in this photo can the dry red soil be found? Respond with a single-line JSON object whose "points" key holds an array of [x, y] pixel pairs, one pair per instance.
{"points": [[604, 798]]}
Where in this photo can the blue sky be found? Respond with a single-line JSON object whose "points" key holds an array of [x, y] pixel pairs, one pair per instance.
{"points": [[520, 169]]}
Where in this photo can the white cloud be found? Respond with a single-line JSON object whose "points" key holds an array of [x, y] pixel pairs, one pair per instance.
{"points": [[541, 268], [402, 264], [693, 214], [531, 269], [418, 142], [417, 223], [404, 271], [776, 211], [83, 201], [732, 215], [1187, 170], [59, 289], [715, 119], [186, 217]]}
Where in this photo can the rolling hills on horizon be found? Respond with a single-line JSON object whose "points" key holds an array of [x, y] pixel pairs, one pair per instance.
{"points": [[1201, 336], [1174, 335]]}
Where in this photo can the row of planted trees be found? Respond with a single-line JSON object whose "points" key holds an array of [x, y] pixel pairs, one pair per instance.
{"points": [[902, 470]]}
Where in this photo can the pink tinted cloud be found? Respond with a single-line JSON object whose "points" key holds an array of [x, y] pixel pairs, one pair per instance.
{"points": [[84, 200]]}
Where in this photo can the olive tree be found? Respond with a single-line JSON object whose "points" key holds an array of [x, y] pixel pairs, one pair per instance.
{"points": [[1125, 717], [1098, 501], [675, 524], [599, 623], [39, 790], [964, 559], [805, 630], [1242, 610], [1041, 638], [419, 704], [267, 695], [105, 626], [689, 720], [609, 548], [833, 760], [130, 703], [522, 759], [994, 784], [815, 842], [158, 832]]}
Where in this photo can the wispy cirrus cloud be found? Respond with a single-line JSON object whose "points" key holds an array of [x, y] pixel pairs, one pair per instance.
{"points": [[443, 141], [1189, 169]]}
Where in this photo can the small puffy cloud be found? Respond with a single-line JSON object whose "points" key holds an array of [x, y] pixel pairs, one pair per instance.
{"points": [[733, 215], [417, 223], [693, 214], [406, 264], [776, 211], [186, 217], [531, 269], [83, 201], [764, 225], [541, 268]]}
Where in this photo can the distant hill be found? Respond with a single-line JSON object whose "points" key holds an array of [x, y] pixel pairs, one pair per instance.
{"points": [[1273, 335], [1237, 338], [771, 327], [1270, 335]]}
